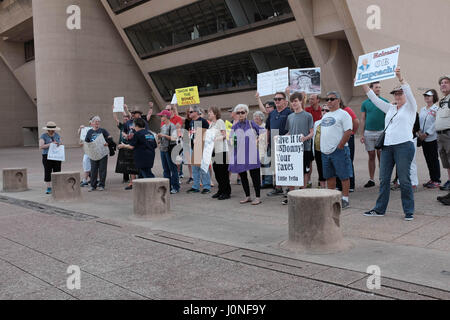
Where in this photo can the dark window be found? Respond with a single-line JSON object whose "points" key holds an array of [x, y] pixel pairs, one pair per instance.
{"points": [[29, 50], [205, 20], [232, 73], [119, 6]]}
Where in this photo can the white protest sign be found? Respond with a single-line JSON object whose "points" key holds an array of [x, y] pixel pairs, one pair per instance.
{"points": [[289, 161], [174, 99], [84, 132], [96, 150], [118, 104], [56, 153], [305, 80], [208, 149], [271, 82], [377, 65]]}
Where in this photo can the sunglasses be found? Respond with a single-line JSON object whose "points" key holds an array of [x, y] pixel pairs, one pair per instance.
{"points": [[331, 99], [278, 99], [191, 111], [241, 112], [325, 110]]}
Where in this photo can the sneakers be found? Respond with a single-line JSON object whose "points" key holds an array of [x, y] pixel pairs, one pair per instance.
{"points": [[224, 197], [433, 185], [409, 217], [49, 191], [173, 191], [130, 187], [192, 190], [238, 182], [309, 185], [181, 176], [425, 185], [345, 204], [446, 201], [216, 195], [84, 183], [351, 190], [190, 180], [275, 192], [447, 197], [91, 189], [369, 184], [373, 213], [101, 189], [446, 186], [284, 202], [206, 191]]}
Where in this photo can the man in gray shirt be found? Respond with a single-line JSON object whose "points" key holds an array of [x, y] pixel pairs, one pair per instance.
{"points": [[301, 123]]}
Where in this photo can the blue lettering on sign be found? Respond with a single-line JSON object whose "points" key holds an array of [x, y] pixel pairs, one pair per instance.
{"points": [[328, 122]]}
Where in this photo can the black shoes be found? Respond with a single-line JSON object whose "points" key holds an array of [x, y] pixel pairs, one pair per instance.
{"points": [[224, 197], [216, 195], [369, 184], [206, 191], [373, 213]]}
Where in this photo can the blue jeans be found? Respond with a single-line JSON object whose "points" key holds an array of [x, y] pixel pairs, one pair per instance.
{"points": [[198, 174], [146, 173], [170, 170], [400, 155]]}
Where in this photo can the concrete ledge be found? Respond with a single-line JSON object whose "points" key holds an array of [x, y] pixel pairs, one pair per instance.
{"points": [[66, 186], [151, 197], [15, 180]]}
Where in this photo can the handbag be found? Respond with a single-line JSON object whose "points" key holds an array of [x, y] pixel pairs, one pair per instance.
{"points": [[420, 142], [380, 141]]}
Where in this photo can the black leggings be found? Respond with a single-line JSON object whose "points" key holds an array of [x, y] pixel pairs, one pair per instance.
{"points": [[220, 167], [256, 179], [49, 167], [318, 158]]}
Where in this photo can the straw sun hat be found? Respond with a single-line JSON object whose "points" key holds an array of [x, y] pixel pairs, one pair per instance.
{"points": [[51, 126]]}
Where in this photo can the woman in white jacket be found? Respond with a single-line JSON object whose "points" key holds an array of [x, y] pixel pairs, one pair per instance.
{"points": [[398, 148]]}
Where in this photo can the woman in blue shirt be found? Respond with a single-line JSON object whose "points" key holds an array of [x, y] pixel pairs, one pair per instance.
{"points": [[45, 141]]}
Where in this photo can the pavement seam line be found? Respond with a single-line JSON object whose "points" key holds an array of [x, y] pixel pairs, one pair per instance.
{"points": [[437, 239], [34, 276], [415, 229]]}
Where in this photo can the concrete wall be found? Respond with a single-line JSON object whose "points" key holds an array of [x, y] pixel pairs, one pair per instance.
{"points": [[83, 69], [16, 108]]}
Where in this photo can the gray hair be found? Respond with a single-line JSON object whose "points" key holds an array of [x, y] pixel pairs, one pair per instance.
{"points": [[196, 109], [335, 93], [259, 114], [96, 118], [241, 106]]}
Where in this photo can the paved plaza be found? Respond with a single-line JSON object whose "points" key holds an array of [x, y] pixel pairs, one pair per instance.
{"points": [[209, 249]]}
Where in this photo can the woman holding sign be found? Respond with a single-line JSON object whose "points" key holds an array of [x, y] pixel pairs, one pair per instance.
{"points": [[45, 141], [244, 139], [397, 147]]}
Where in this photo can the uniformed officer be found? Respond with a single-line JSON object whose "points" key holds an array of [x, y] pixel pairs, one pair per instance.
{"points": [[443, 131]]}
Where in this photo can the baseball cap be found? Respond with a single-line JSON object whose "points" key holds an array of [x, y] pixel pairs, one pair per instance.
{"points": [[397, 89], [136, 111], [165, 113], [444, 77], [428, 93]]}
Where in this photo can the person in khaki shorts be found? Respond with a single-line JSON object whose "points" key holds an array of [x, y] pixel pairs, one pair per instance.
{"points": [[373, 126], [443, 131]]}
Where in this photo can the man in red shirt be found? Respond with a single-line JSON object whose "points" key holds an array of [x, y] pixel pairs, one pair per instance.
{"points": [[174, 118], [315, 109]]}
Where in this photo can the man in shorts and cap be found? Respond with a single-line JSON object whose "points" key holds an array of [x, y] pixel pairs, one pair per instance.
{"points": [[443, 131]]}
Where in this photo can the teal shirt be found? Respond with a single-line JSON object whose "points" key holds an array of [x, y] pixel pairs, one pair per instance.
{"points": [[374, 116]]}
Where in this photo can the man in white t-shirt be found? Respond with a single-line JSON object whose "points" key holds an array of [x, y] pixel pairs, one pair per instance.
{"points": [[336, 130]]}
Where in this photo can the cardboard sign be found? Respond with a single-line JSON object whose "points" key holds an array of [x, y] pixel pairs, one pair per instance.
{"points": [[174, 99], [289, 161], [305, 80], [377, 66], [271, 82], [118, 104], [96, 150], [84, 132], [187, 96], [56, 153]]}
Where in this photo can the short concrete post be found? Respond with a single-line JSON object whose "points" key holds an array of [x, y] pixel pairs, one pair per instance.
{"points": [[66, 186], [15, 180], [314, 221], [151, 197]]}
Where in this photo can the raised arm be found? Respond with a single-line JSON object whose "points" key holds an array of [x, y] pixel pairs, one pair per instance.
{"points": [[407, 90], [380, 104], [260, 104]]}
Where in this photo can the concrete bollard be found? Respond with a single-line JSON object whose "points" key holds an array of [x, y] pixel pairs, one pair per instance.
{"points": [[151, 197], [314, 221], [15, 180], [66, 186]]}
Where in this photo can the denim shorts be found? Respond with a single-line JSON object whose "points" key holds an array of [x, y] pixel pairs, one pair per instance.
{"points": [[337, 164]]}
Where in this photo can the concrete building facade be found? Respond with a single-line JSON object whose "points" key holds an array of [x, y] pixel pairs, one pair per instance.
{"points": [[145, 49]]}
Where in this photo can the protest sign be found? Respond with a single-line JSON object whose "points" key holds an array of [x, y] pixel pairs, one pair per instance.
{"points": [[174, 99], [208, 149], [84, 132], [273, 81], [377, 66], [56, 153], [305, 80], [118, 104], [289, 161], [187, 96], [96, 150]]}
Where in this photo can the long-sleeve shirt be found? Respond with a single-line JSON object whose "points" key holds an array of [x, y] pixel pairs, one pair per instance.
{"points": [[401, 126], [427, 122]]}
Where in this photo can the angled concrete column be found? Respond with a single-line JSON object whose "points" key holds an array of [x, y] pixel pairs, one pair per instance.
{"points": [[15, 180], [314, 221], [151, 197], [66, 186]]}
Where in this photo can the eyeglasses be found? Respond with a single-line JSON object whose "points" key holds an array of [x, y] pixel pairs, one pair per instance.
{"points": [[191, 111], [331, 99], [325, 110], [241, 112], [278, 99]]}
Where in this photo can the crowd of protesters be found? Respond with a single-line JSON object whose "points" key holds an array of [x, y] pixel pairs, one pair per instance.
{"points": [[391, 133]]}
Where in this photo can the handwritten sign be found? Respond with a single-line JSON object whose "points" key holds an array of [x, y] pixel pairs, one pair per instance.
{"points": [[96, 150], [187, 96], [208, 149], [377, 65], [118, 104], [289, 161], [56, 153], [271, 82]]}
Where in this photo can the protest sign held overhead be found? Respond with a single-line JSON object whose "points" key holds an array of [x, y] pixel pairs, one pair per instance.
{"points": [[305, 80], [119, 104], [187, 96], [289, 161], [377, 66], [274, 81]]}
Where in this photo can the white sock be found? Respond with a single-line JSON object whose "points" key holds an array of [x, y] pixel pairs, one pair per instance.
{"points": [[345, 198]]}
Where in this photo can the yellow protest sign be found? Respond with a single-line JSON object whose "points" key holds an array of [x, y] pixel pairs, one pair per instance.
{"points": [[187, 96]]}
